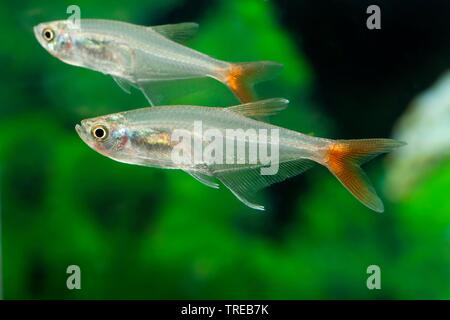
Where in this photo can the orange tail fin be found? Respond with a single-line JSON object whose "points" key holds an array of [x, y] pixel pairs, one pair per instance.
{"points": [[344, 157], [241, 77]]}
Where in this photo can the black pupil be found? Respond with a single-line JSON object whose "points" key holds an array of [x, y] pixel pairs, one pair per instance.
{"points": [[48, 35], [99, 133]]}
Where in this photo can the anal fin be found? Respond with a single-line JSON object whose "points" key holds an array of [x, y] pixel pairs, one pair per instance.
{"points": [[203, 178], [245, 182], [124, 84], [175, 91]]}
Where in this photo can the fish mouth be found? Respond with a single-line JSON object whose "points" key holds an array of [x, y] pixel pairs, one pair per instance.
{"points": [[37, 32], [80, 130], [83, 134]]}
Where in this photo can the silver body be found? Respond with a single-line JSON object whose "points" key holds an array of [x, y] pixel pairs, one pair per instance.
{"points": [[131, 52], [147, 137], [148, 122], [151, 59]]}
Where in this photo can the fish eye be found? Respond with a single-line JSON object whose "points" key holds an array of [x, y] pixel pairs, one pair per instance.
{"points": [[100, 133], [48, 34]]}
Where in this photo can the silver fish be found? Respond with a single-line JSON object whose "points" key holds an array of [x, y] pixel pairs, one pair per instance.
{"points": [[149, 137], [146, 57]]}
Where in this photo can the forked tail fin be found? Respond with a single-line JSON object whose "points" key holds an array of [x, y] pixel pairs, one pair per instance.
{"points": [[344, 157], [241, 77]]}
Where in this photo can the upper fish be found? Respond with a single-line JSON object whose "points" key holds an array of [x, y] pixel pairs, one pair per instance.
{"points": [[146, 57], [149, 137]]}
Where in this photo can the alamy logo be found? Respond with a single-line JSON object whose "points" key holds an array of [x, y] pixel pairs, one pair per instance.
{"points": [[374, 280], [75, 16], [74, 280], [227, 146], [374, 20]]}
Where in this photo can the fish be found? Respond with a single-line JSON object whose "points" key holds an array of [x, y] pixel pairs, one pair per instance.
{"points": [[151, 136], [147, 58]]}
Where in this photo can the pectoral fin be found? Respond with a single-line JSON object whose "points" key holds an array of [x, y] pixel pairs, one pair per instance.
{"points": [[180, 32]]}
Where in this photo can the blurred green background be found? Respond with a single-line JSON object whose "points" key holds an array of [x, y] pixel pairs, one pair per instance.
{"points": [[146, 233]]}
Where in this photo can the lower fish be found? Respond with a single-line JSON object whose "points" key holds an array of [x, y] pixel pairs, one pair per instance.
{"points": [[149, 58], [230, 146]]}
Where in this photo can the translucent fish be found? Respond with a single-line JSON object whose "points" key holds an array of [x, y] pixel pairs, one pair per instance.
{"points": [[149, 137], [149, 58]]}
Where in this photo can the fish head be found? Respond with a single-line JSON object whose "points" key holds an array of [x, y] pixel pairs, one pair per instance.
{"points": [[108, 135], [58, 37]]}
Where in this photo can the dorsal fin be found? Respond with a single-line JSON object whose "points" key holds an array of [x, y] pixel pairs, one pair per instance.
{"points": [[260, 108], [179, 32]]}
